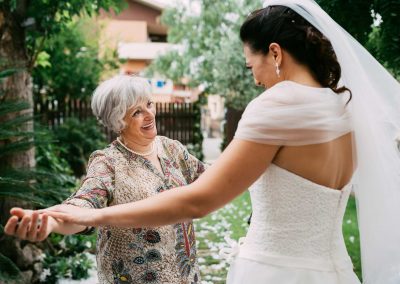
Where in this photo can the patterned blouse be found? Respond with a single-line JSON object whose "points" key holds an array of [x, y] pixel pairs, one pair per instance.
{"points": [[141, 255]]}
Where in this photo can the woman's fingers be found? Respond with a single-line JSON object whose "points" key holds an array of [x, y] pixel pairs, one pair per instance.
{"points": [[63, 212], [19, 212], [43, 230], [73, 214], [11, 226], [23, 227], [33, 227], [59, 215], [55, 208]]}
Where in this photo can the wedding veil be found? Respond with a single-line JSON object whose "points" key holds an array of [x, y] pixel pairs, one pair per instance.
{"points": [[375, 111]]}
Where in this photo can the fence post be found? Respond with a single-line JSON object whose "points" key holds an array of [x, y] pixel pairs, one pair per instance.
{"points": [[232, 118]]}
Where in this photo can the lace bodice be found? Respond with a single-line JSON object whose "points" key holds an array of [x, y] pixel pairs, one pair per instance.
{"points": [[295, 217]]}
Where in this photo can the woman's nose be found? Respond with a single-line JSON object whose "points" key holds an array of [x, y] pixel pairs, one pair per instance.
{"points": [[149, 114]]}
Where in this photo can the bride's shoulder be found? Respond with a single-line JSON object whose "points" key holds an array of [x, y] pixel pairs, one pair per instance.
{"points": [[279, 94], [291, 93], [282, 88]]}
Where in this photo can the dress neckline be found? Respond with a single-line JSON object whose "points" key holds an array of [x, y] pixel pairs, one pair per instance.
{"points": [[323, 187], [144, 160]]}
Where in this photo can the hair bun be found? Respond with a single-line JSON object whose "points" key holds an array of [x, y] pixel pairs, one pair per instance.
{"points": [[313, 36]]}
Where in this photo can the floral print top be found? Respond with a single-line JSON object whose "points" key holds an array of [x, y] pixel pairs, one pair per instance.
{"points": [[141, 255]]}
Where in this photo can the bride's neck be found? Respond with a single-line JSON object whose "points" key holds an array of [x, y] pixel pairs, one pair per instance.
{"points": [[302, 75]]}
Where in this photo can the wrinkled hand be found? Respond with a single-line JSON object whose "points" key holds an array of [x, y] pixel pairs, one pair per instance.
{"points": [[73, 214], [28, 225]]}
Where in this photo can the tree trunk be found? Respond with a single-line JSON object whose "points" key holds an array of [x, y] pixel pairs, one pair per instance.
{"points": [[13, 54]]}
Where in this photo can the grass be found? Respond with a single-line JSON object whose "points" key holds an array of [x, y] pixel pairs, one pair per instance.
{"points": [[231, 221], [351, 235]]}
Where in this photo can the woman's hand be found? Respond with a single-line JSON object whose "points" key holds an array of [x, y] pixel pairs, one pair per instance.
{"points": [[28, 225], [73, 214]]}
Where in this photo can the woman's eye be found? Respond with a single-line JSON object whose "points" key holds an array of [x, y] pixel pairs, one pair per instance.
{"points": [[136, 113], [150, 104]]}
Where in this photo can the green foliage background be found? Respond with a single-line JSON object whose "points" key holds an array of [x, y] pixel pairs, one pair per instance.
{"points": [[210, 52], [69, 65], [64, 62], [358, 16]]}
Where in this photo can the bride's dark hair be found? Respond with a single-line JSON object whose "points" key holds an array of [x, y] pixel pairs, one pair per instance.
{"points": [[298, 37]]}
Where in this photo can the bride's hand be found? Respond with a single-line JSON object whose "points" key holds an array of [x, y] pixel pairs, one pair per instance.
{"points": [[74, 214]]}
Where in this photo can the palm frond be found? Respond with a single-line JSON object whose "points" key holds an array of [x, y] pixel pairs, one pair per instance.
{"points": [[8, 72], [12, 106], [8, 269], [16, 122], [15, 147], [39, 187]]}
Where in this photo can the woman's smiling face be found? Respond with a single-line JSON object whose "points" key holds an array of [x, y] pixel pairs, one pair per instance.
{"points": [[140, 121]]}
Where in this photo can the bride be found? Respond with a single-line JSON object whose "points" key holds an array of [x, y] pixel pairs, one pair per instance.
{"points": [[325, 126]]}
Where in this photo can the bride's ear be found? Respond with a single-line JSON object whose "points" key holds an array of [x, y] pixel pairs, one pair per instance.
{"points": [[275, 51]]}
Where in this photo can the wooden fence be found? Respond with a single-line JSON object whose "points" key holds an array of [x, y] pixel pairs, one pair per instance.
{"points": [[232, 118], [174, 120]]}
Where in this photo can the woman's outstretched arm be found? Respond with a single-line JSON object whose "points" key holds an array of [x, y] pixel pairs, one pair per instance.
{"points": [[237, 168]]}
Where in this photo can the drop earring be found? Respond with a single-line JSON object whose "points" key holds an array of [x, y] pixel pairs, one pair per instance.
{"points": [[277, 70]]}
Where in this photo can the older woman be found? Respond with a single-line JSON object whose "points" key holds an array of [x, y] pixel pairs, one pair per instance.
{"points": [[137, 165]]}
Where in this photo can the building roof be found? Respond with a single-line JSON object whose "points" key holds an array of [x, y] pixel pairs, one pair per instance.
{"points": [[155, 4]]}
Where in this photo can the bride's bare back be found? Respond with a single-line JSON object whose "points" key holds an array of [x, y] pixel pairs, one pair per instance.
{"points": [[329, 164]]}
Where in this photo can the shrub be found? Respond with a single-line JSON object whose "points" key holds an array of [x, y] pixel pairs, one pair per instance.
{"points": [[68, 257], [77, 140]]}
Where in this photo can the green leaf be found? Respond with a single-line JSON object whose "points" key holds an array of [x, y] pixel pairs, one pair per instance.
{"points": [[43, 59]]}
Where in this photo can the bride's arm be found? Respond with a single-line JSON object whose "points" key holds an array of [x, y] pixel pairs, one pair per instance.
{"points": [[236, 169]]}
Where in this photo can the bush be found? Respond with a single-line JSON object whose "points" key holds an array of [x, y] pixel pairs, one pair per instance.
{"points": [[68, 257], [65, 256], [77, 140], [57, 173]]}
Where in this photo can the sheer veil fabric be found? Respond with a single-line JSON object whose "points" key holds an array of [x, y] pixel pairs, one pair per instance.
{"points": [[374, 117], [292, 114]]}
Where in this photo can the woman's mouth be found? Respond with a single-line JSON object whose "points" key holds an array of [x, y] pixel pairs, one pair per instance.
{"points": [[148, 126]]}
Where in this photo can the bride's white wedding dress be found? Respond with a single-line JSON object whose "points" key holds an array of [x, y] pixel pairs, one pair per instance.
{"points": [[375, 123], [295, 235]]}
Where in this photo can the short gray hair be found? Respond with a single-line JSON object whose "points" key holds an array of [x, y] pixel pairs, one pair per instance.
{"points": [[115, 96]]}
